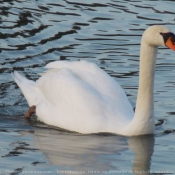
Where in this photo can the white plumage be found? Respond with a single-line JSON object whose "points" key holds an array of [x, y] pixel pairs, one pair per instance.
{"points": [[81, 97]]}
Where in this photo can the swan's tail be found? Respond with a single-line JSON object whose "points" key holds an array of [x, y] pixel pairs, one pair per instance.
{"points": [[28, 88]]}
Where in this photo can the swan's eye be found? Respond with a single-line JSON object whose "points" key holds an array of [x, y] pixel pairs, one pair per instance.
{"points": [[169, 40]]}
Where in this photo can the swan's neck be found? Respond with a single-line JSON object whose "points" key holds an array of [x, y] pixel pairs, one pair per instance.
{"points": [[145, 98], [144, 114]]}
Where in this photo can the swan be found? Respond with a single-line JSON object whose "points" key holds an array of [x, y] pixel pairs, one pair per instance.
{"points": [[79, 96]]}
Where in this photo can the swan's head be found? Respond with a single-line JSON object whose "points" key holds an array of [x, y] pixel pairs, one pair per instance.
{"points": [[158, 35]]}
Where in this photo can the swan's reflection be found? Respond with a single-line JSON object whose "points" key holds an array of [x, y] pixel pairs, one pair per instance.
{"points": [[143, 148], [86, 153]]}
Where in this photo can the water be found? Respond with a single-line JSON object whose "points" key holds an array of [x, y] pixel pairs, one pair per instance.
{"points": [[34, 33]]}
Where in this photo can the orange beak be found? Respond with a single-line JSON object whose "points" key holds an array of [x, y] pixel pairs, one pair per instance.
{"points": [[169, 43]]}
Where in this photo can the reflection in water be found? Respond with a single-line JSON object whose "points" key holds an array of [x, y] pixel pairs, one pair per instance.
{"points": [[93, 152], [143, 148]]}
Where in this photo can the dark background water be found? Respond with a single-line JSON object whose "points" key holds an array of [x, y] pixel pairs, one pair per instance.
{"points": [[108, 33]]}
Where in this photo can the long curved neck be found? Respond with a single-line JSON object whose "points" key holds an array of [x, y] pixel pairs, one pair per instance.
{"points": [[145, 99]]}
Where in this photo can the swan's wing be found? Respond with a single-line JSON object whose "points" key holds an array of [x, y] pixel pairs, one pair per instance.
{"points": [[80, 92], [94, 76], [78, 96], [72, 103]]}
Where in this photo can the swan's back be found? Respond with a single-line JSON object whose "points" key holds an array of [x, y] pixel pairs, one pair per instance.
{"points": [[79, 96]]}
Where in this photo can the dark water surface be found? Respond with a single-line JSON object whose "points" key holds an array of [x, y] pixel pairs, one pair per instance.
{"points": [[108, 33]]}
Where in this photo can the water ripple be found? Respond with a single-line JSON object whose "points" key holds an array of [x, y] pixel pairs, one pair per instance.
{"points": [[34, 33]]}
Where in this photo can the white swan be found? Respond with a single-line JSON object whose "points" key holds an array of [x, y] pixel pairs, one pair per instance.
{"points": [[79, 96]]}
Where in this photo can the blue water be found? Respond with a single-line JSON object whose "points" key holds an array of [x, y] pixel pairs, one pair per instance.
{"points": [[108, 33]]}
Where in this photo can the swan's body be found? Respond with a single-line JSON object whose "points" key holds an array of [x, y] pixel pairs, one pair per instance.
{"points": [[79, 96]]}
